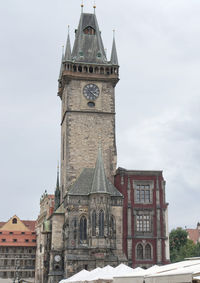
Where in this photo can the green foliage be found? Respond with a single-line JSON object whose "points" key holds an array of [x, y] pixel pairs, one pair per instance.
{"points": [[181, 247]]}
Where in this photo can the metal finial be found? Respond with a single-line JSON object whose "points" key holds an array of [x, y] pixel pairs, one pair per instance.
{"points": [[63, 50], [68, 28], [58, 167], [94, 6], [82, 6], [113, 33]]}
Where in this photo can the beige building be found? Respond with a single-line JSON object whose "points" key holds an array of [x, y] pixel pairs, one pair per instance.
{"points": [[17, 249]]}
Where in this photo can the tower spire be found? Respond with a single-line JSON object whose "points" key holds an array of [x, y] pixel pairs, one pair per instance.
{"points": [[88, 45], [68, 53], [114, 58]]}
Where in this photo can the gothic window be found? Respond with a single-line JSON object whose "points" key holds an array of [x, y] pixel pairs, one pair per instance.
{"points": [[94, 223], [143, 193], [89, 30], [101, 223], [143, 223], [14, 221], [147, 251], [83, 228], [139, 251], [112, 224]]}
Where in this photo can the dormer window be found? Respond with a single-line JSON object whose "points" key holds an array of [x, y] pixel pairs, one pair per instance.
{"points": [[89, 30], [14, 221]]}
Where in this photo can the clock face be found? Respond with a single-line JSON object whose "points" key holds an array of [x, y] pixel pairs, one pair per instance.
{"points": [[91, 91], [57, 258]]}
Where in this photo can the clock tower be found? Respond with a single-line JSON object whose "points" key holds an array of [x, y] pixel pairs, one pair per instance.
{"points": [[87, 83]]}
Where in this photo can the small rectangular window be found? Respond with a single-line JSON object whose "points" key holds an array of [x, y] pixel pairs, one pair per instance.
{"points": [[3, 240], [26, 240], [14, 240]]}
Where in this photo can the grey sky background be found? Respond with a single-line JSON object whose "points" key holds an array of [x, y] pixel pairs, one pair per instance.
{"points": [[157, 98]]}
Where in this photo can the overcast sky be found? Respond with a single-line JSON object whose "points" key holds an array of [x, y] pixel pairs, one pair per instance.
{"points": [[157, 98]]}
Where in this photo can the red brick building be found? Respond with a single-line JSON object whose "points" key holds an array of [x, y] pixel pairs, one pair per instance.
{"points": [[145, 234], [17, 248]]}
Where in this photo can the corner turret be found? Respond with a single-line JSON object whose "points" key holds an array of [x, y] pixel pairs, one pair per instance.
{"points": [[114, 58]]}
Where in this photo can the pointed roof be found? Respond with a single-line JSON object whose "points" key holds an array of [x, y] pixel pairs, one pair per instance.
{"points": [[57, 183], [94, 180], [61, 67], [114, 59], [100, 182], [57, 192], [88, 45], [68, 53]]}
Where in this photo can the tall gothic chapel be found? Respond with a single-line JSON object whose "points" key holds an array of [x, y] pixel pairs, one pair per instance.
{"points": [[99, 215]]}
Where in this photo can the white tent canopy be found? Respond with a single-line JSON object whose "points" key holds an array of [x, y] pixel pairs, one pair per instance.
{"points": [[180, 272], [105, 273]]}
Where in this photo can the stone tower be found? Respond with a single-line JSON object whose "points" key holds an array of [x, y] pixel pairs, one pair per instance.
{"points": [[87, 90], [86, 225]]}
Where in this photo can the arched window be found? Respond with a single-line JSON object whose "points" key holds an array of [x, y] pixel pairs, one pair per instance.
{"points": [[148, 251], [101, 223], [89, 30], [112, 225], [139, 251], [94, 223], [83, 228], [74, 225], [14, 221]]}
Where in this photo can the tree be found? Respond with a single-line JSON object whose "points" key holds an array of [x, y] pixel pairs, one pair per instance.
{"points": [[177, 238], [180, 246]]}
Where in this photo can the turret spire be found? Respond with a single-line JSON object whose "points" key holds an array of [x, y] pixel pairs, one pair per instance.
{"points": [[57, 192], [68, 54], [114, 59], [57, 183], [61, 65]]}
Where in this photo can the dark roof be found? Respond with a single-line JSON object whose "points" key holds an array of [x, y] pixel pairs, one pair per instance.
{"points": [[88, 48], [100, 181], [83, 184], [93, 180], [68, 54], [114, 58]]}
